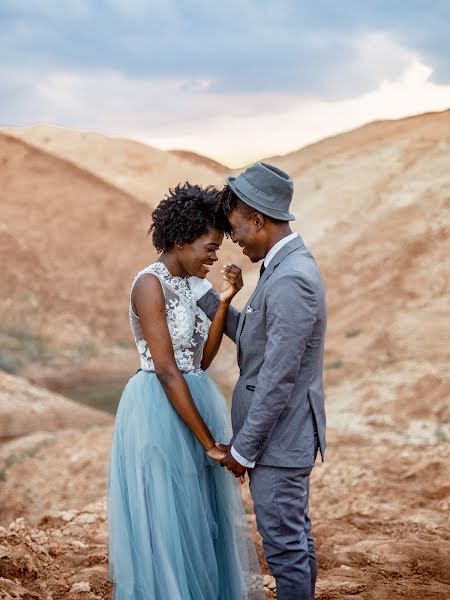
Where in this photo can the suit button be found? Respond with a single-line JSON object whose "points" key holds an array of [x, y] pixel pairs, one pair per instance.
{"points": [[241, 371]]}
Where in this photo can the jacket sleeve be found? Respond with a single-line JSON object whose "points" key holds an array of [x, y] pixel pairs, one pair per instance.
{"points": [[209, 303], [291, 311]]}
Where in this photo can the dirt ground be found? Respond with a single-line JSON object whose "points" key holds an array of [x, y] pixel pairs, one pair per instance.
{"points": [[380, 518]]}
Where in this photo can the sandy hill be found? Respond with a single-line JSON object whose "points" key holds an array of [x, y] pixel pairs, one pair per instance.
{"points": [[26, 408], [69, 243], [373, 205], [141, 170], [198, 159], [376, 168]]}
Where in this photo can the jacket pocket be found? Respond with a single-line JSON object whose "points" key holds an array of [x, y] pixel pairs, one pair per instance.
{"points": [[257, 312], [250, 388], [254, 326]]}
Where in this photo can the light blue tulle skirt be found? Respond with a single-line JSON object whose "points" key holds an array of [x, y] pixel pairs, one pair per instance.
{"points": [[177, 528]]}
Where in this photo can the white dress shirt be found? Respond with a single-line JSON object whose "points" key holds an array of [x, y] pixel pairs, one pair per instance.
{"points": [[199, 287], [277, 247]]}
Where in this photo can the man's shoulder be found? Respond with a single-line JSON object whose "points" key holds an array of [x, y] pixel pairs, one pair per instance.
{"points": [[297, 269], [300, 263]]}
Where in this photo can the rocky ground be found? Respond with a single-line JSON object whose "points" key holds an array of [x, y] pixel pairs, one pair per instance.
{"points": [[380, 514]]}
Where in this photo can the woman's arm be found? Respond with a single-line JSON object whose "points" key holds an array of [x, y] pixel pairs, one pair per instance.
{"points": [[148, 298], [232, 283], [209, 303]]}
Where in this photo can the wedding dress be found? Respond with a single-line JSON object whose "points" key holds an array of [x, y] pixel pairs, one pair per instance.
{"points": [[177, 529]]}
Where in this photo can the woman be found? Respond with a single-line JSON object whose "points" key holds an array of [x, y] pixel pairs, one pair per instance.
{"points": [[177, 530]]}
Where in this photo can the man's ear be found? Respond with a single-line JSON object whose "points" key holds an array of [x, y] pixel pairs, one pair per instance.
{"points": [[259, 221]]}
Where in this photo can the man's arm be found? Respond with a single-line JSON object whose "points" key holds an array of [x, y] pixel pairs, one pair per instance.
{"points": [[210, 302], [291, 312]]}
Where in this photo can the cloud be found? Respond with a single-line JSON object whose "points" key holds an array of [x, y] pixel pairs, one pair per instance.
{"points": [[261, 46], [235, 129], [238, 139], [234, 80]]}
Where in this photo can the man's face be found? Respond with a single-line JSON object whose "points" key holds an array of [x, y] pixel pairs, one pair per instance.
{"points": [[248, 233]]}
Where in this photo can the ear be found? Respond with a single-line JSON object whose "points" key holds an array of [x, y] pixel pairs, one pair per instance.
{"points": [[258, 219]]}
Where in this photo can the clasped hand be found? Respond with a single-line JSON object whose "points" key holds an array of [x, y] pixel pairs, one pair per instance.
{"points": [[232, 282], [222, 453]]}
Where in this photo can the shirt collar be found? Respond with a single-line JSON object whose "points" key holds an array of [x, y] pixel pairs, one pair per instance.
{"points": [[278, 247]]}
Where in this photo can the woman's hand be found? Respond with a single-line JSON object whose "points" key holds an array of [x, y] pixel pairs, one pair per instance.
{"points": [[232, 282], [216, 453]]}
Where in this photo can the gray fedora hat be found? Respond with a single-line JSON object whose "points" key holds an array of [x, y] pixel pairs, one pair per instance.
{"points": [[265, 188]]}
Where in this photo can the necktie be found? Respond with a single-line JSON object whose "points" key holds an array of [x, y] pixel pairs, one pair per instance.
{"points": [[261, 271]]}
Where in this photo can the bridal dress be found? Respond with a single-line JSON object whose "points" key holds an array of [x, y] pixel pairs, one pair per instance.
{"points": [[177, 528]]}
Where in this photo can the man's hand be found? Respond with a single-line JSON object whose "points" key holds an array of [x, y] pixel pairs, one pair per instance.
{"points": [[223, 447], [232, 465]]}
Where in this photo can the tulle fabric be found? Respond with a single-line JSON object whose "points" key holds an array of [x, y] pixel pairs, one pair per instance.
{"points": [[177, 529]]}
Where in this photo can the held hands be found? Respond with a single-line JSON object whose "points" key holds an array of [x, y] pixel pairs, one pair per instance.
{"points": [[216, 453], [232, 282], [230, 463], [221, 453]]}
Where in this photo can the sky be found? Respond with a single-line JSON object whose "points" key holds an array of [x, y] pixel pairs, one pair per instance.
{"points": [[235, 80]]}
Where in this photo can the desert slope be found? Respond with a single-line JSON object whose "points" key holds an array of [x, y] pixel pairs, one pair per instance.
{"points": [[69, 243], [26, 408], [373, 205], [344, 182], [141, 170]]}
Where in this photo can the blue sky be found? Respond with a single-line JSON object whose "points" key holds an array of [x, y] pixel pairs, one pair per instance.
{"points": [[210, 75]]}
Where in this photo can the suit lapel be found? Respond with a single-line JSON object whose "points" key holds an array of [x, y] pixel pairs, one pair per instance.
{"points": [[276, 260], [279, 257]]}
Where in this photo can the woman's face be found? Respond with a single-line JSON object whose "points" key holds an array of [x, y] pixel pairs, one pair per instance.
{"points": [[198, 256]]}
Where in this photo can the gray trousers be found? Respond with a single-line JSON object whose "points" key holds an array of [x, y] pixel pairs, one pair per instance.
{"points": [[280, 496]]}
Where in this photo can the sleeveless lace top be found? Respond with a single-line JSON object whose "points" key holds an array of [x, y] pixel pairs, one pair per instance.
{"points": [[187, 323]]}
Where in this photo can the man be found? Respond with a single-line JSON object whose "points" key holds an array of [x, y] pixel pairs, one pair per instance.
{"points": [[278, 411]]}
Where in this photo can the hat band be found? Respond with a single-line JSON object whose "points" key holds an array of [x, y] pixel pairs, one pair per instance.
{"points": [[258, 206]]}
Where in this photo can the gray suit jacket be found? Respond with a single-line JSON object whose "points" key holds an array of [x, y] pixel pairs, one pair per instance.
{"points": [[278, 401]]}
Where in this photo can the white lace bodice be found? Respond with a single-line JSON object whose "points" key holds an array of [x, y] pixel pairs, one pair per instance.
{"points": [[187, 323]]}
